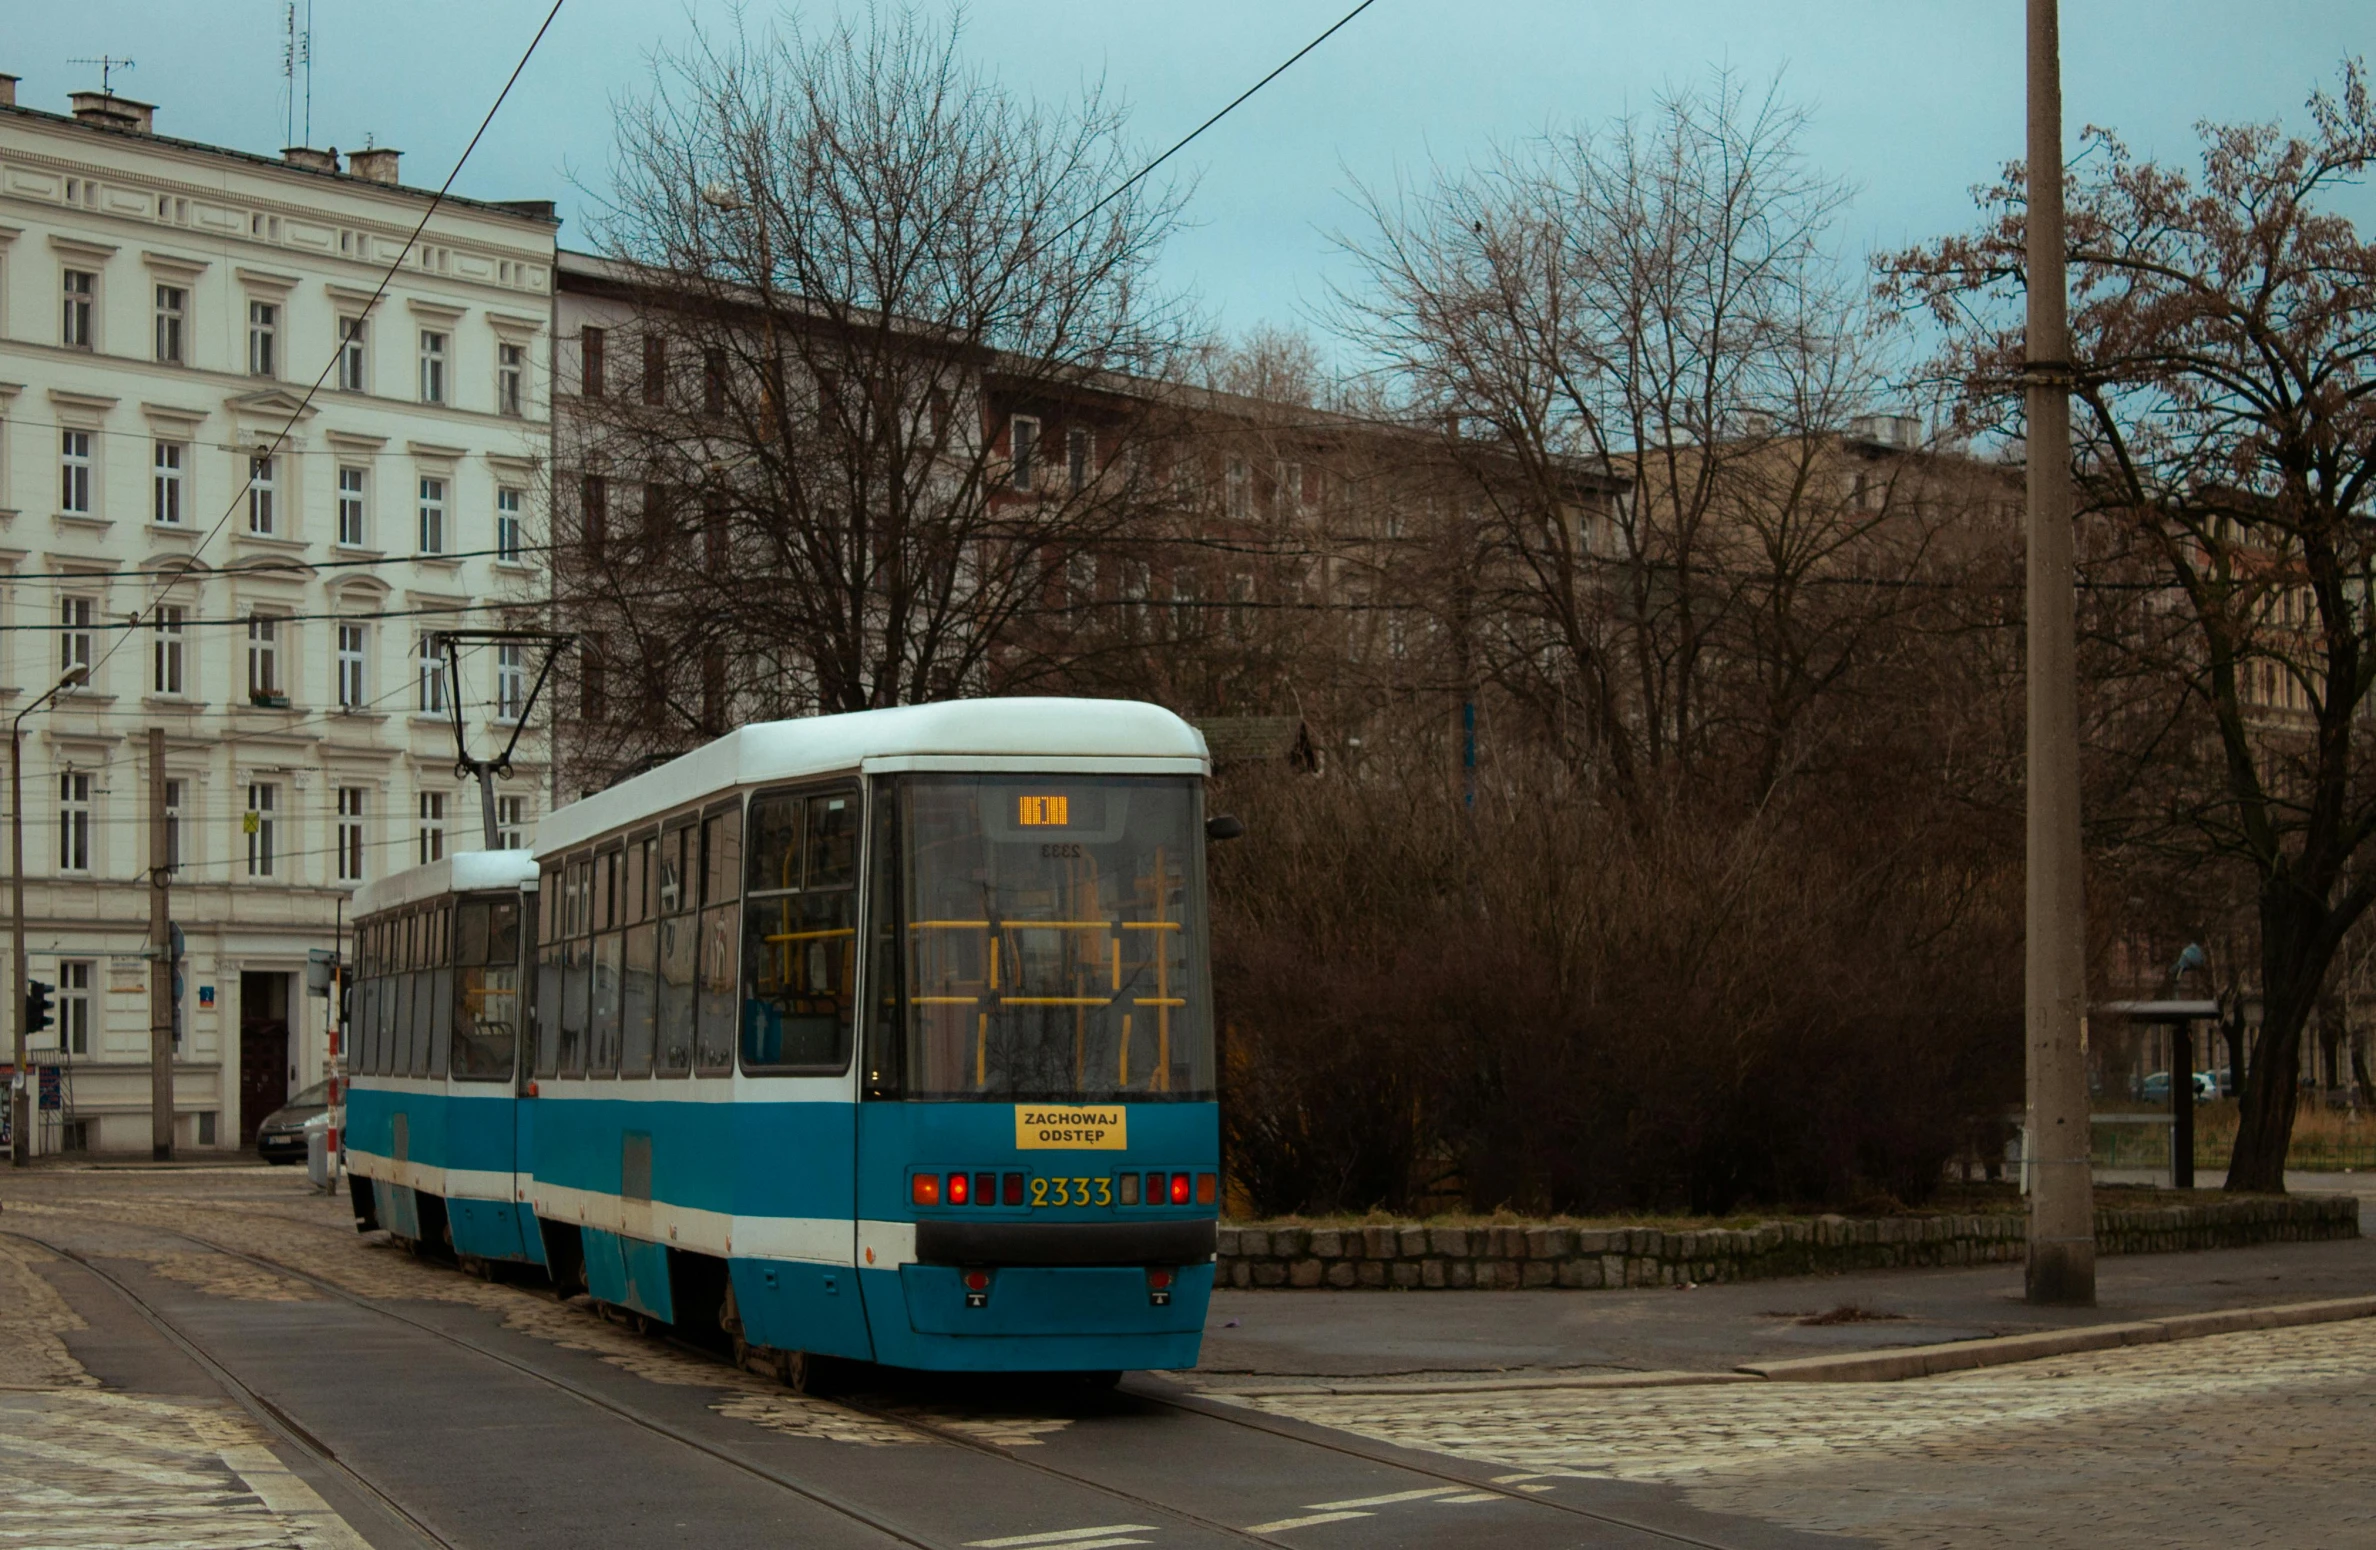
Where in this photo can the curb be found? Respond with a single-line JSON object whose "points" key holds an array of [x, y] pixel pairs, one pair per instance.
{"points": [[1961, 1355], [1615, 1380]]}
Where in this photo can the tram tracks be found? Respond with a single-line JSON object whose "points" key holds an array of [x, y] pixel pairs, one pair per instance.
{"points": [[939, 1430]]}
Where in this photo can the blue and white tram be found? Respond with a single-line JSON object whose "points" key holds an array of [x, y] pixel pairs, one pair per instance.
{"points": [[883, 1036]]}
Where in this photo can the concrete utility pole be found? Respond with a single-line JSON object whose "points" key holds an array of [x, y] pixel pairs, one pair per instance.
{"points": [[161, 963], [21, 1114], [2061, 1266]]}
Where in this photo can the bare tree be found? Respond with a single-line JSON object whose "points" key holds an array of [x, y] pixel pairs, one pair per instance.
{"points": [[2222, 344], [871, 298]]}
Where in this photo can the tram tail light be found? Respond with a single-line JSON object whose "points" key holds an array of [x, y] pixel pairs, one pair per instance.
{"points": [[1159, 1285], [959, 1187], [1128, 1186], [924, 1189], [1010, 1189], [1208, 1188], [1179, 1189], [1154, 1189], [977, 1288], [985, 1189]]}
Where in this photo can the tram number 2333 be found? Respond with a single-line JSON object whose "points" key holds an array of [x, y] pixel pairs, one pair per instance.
{"points": [[1041, 1127]]}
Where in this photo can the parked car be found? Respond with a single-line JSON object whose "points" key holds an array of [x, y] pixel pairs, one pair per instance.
{"points": [[2154, 1087], [281, 1138]]}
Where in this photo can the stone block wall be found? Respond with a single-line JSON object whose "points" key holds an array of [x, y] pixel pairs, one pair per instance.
{"points": [[1418, 1257]]}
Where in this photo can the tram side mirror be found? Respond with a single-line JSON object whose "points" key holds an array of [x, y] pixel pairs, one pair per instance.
{"points": [[1223, 827]]}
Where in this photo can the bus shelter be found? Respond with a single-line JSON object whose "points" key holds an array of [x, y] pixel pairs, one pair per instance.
{"points": [[2180, 1018]]}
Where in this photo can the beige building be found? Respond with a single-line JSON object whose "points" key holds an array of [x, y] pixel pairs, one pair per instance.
{"points": [[253, 572]]}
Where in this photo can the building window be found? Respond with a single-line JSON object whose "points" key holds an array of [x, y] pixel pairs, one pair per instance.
{"points": [[433, 366], [354, 366], [173, 310], [510, 366], [170, 456], [168, 632], [263, 339], [511, 823], [74, 327], [593, 698], [74, 822], [74, 1006], [74, 473], [1080, 450], [350, 667], [432, 826], [507, 526], [1022, 444], [511, 680], [174, 790], [655, 369], [350, 834], [432, 674], [262, 823], [263, 652], [74, 634], [594, 514], [263, 494], [1238, 487], [590, 362], [713, 381], [433, 515], [352, 506]]}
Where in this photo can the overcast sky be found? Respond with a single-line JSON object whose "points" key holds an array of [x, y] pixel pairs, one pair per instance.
{"points": [[1914, 102]]}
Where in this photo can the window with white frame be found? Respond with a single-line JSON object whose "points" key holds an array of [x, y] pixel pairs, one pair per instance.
{"points": [[74, 633], [350, 667], [433, 516], [79, 286], [74, 1006], [263, 339], [173, 312], [433, 817], [263, 495], [1080, 454], [1022, 446], [263, 654], [509, 541], [511, 823], [175, 792], [354, 365], [167, 630], [168, 461], [262, 823], [74, 822], [433, 366], [74, 473], [511, 370], [432, 676], [354, 505], [351, 801], [1238, 489], [511, 680]]}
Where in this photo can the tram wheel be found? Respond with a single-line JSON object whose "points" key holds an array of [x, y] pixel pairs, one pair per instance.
{"points": [[802, 1372], [1099, 1380]]}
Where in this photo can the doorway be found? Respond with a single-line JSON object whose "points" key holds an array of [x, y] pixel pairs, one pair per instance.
{"points": [[263, 1050]]}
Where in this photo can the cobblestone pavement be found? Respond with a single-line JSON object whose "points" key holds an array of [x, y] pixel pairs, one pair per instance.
{"points": [[2266, 1438]]}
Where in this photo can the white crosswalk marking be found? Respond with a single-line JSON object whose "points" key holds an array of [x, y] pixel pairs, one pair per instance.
{"points": [[1386, 1501], [1285, 1524], [1069, 1538], [1470, 1496]]}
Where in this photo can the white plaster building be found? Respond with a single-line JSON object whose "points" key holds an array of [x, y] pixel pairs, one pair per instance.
{"points": [[164, 308]]}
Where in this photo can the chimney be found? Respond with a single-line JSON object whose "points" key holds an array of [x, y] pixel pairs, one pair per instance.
{"points": [[113, 112], [7, 91], [374, 166], [311, 160]]}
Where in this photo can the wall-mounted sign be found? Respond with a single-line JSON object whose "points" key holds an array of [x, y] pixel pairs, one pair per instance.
{"points": [[205, 997]]}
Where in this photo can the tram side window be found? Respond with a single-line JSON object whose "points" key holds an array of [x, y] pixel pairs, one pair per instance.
{"points": [[548, 973], [487, 974], [800, 932], [721, 851], [400, 1039], [577, 966], [639, 989], [675, 951], [433, 997], [603, 1056]]}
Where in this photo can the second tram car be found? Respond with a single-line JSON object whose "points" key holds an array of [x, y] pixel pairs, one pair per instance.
{"points": [[883, 1036]]}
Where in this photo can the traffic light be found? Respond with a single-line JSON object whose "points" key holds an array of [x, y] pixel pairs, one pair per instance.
{"points": [[37, 1006]]}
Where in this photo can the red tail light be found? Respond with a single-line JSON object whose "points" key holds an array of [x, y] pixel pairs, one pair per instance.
{"points": [[1010, 1189], [1179, 1189], [985, 1189], [1154, 1189], [958, 1188], [924, 1189], [977, 1280], [1208, 1189], [1159, 1279]]}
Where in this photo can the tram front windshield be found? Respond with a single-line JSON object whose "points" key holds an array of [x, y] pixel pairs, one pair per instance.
{"points": [[1053, 937]]}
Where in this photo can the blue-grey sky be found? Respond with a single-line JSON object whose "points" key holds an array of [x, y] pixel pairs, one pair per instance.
{"points": [[1914, 102]]}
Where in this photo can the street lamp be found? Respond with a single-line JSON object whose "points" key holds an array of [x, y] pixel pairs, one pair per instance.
{"points": [[21, 1109]]}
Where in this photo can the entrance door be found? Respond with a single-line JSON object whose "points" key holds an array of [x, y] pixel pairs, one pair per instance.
{"points": [[263, 1050]]}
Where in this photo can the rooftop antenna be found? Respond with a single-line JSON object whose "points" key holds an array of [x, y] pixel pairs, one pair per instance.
{"points": [[108, 65], [296, 57]]}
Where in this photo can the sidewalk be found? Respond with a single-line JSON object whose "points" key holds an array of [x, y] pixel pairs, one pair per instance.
{"points": [[1259, 1337]]}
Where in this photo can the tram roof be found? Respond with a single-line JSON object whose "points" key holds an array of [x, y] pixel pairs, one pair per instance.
{"points": [[469, 871], [1058, 735]]}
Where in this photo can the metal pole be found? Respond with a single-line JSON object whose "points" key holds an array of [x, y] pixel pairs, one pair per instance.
{"points": [[2061, 1267], [21, 1109], [2182, 1105], [161, 960]]}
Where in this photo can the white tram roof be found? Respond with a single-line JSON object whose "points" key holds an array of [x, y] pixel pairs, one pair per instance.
{"points": [[1072, 736], [470, 871]]}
